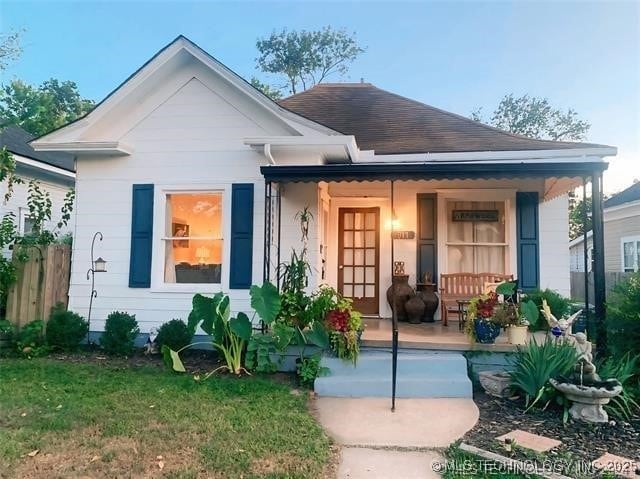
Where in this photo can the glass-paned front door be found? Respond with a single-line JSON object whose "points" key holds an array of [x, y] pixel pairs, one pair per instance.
{"points": [[358, 257]]}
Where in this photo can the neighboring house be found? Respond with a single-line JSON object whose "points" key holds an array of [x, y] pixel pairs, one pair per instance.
{"points": [[621, 234], [194, 178], [55, 172]]}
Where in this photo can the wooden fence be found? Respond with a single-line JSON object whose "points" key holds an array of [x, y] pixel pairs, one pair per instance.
{"points": [[43, 281], [578, 287]]}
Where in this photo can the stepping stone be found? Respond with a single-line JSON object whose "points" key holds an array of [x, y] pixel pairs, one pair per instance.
{"points": [[364, 463], [530, 441], [621, 466]]}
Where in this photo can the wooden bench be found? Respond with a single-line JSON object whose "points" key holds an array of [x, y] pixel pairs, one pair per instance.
{"points": [[464, 286]]}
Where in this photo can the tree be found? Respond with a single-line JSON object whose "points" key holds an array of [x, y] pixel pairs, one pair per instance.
{"points": [[10, 48], [42, 109], [577, 225], [307, 58], [268, 90], [535, 118]]}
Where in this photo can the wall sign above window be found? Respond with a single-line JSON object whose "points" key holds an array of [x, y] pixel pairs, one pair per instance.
{"points": [[476, 215]]}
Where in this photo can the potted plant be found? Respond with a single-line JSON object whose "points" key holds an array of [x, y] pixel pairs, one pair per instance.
{"points": [[344, 327], [481, 325], [516, 316]]}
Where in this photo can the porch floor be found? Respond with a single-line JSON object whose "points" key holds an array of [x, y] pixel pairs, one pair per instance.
{"points": [[433, 336]]}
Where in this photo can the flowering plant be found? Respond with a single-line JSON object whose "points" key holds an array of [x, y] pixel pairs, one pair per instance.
{"points": [[481, 308], [344, 326]]}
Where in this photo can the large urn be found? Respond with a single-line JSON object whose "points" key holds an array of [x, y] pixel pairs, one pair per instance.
{"points": [[426, 292], [398, 294]]}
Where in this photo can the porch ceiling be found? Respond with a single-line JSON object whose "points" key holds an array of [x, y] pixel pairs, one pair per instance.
{"points": [[430, 171]]}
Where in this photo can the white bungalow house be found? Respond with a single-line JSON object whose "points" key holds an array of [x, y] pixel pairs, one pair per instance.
{"points": [[194, 178], [54, 171]]}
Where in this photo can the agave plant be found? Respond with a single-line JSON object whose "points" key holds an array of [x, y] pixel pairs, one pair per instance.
{"points": [[537, 363]]}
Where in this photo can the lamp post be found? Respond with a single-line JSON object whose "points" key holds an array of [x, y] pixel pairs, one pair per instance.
{"points": [[97, 266]]}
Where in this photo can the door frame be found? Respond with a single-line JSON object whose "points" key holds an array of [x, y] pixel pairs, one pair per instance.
{"points": [[375, 301], [363, 201]]}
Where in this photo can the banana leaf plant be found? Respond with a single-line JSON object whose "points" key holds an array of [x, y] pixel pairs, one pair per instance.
{"points": [[229, 335]]}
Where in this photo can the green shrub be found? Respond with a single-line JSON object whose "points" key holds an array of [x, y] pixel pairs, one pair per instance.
{"points": [[623, 318], [309, 369], [65, 329], [7, 335], [120, 332], [537, 363], [625, 369], [559, 305], [174, 334], [31, 339]]}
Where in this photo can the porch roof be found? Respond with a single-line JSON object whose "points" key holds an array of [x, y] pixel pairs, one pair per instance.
{"points": [[430, 171]]}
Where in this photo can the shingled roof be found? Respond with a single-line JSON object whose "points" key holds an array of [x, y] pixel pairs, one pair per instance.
{"points": [[625, 196], [16, 140], [392, 124]]}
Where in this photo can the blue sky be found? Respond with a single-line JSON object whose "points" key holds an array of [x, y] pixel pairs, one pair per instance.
{"points": [[453, 55]]}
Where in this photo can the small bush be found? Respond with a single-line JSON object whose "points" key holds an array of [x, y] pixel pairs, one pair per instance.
{"points": [[65, 329], [31, 339], [7, 335], [309, 369], [625, 369], [174, 334], [623, 318], [120, 332], [559, 305]]}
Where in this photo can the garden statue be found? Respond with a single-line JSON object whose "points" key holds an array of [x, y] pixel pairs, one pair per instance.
{"points": [[585, 388], [559, 327]]}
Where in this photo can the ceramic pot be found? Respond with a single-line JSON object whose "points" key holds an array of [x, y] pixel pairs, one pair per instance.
{"points": [[430, 300], [398, 294], [486, 331], [517, 335], [415, 309]]}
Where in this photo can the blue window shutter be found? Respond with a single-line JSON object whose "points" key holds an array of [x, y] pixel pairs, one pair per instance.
{"points": [[141, 236], [240, 269], [528, 231]]}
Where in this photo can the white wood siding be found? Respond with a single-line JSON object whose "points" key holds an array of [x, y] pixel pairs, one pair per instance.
{"points": [[554, 245]]}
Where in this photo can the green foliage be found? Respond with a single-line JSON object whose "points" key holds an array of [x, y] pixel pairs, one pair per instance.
{"points": [[305, 58], [175, 334], [229, 335], [42, 109], [623, 317], [265, 301], [577, 224], [31, 341], [535, 118], [10, 48], [536, 363], [65, 329], [309, 369], [267, 90], [559, 305], [625, 369], [7, 336], [120, 333]]}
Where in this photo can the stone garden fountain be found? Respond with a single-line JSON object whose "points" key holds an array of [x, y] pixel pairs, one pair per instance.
{"points": [[584, 387]]}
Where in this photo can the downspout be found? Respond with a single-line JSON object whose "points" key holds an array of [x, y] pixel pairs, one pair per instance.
{"points": [[394, 320], [267, 153]]}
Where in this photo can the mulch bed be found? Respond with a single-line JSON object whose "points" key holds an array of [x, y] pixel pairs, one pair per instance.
{"points": [[580, 441]]}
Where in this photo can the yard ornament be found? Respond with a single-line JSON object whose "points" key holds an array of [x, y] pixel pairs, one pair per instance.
{"points": [[559, 327]]}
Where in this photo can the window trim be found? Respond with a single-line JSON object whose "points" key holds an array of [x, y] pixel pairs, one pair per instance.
{"points": [[636, 263], [158, 284], [23, 215]]}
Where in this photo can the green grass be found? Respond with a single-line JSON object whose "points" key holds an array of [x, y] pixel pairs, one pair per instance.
{"points": [[100, 420], [462, 465]]}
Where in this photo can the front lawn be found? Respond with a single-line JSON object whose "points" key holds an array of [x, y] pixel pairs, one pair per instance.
{"points": [[96, 420]]}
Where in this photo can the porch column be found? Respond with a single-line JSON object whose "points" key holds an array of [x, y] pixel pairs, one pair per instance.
{"points": [[585, 251], [599, 287]]}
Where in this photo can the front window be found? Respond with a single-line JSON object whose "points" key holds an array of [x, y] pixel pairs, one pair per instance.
{"points": [[631, 254], [193, 238], [476, 236]]}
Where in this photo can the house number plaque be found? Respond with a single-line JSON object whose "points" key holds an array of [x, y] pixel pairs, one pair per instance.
{"points": [[403, 234]]}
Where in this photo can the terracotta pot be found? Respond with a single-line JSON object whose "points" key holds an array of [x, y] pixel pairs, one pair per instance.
{"points": [[398, 294], [517, 335], [431, 302], [415, 309]]}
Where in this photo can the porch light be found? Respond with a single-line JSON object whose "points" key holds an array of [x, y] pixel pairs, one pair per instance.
{"points": [[393, 224], [99, 266]]}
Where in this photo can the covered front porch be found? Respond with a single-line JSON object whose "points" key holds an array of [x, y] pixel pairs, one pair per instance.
{"points": [[434, 218]]}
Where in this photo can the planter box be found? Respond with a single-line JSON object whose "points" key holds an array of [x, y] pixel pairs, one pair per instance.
{"points": [[496, 383]]}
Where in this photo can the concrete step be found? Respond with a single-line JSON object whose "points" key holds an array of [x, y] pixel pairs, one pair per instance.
{"points": [[421, 374]]}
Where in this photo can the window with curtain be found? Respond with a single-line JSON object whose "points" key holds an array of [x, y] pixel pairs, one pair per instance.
{"points": [[631, 254], [193, 238], [476, 245]]}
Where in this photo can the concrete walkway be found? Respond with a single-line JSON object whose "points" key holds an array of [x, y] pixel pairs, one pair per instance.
{"points": [[406, 444]]}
